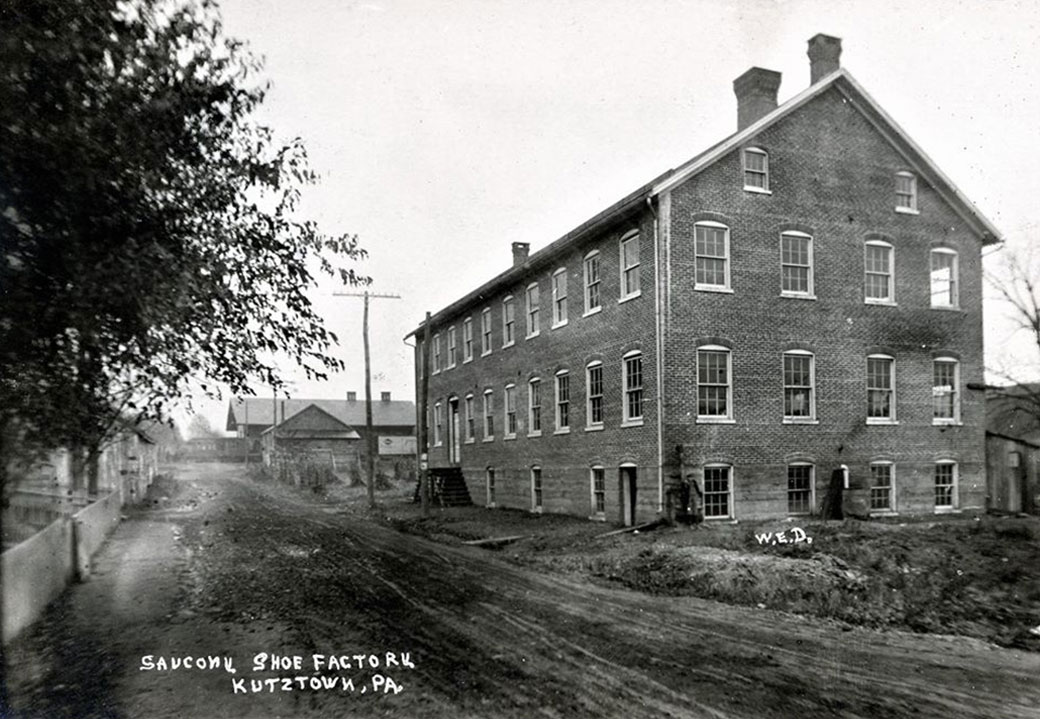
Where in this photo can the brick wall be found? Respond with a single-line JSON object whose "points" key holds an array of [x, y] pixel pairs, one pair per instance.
{"points": [[565, 459], [832, 177]]}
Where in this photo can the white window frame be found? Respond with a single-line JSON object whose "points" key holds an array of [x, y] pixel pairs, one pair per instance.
{"points": [[764, 174], [730, 513], [467, 340], [565, 376], [593, 282], [810, 292], [890, 299], [715, 418], [509, 412], [489, 415], [489, 484], [437, 353], [955, 391], [537, 490], [534, 411], [952, 290], [891, 389], [508, 322], [470, 420], [486, 336], [533, 309], [812, 489], [589, 423], [793, 418], [558, 283], [954, 486], [438, 424], [630, 289], [595, 495], [891, 488], [452, 348], [627, 418], [726, 257], [911, 208]]}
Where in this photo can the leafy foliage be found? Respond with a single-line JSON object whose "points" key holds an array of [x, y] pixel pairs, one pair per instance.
{"points": [[151, 243]]}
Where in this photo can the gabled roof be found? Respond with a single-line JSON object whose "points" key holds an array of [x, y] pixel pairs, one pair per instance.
{"points": [[313, 422], [259, 411], [841, 80]]}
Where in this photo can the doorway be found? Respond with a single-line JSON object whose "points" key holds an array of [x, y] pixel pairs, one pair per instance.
{"points": [[454, 444], [627, 492]]}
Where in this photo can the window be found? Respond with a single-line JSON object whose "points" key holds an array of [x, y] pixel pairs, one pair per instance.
{"points": [[945, 397], [798, 386], [598, 480], [592, 282], [882, 487], [471, 420], [796, 264], [532, 311], [559, 297], [945, 485], [906, 192], [630, 266], [711, 251], [800, 488], [510, 411], [881, 406], [491, 486], [438, 424], [451, 347], [878, 269], [594, 392], [1014, 460], [485, 331], [489, 415], [713, 383], [508, 321], [467, 340], [534, 408], [536, 489], [563, 401], [943, 278], [436, 353], [633, 369], [756, 169], [717, 491]]}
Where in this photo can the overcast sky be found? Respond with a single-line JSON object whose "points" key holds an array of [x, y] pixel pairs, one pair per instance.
{"points": [[444, 131]]}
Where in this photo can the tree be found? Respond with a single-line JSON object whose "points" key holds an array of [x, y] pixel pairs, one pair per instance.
{"points": [[1016, 282], [200, 428], [150, 239]]}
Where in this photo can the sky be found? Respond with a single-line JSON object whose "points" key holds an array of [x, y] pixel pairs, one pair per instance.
{"points": [[443, 131]]}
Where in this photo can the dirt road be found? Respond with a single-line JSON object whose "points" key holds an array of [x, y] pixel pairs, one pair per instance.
{"points": [[230, 569]]}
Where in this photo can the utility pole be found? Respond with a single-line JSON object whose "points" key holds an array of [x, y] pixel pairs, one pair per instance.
{"points": [[370, 438]]}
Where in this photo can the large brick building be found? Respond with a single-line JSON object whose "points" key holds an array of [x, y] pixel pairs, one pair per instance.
{"points": [[799, 303]]}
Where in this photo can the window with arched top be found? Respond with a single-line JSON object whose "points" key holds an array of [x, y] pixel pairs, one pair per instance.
{"points": [[906, 192], [879, 271], [943, 277], [756, 169], [593, 282], [629, 248], [711, 256]]}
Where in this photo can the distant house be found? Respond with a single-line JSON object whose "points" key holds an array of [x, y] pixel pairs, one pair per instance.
{"points": [[1013, 452], [317, 434], [325, 425]]}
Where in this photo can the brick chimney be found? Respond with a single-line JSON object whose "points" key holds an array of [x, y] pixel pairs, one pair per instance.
{"points": [[352, 396], [824, 56], [520, 252], [756, 95], [385, 396]]}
